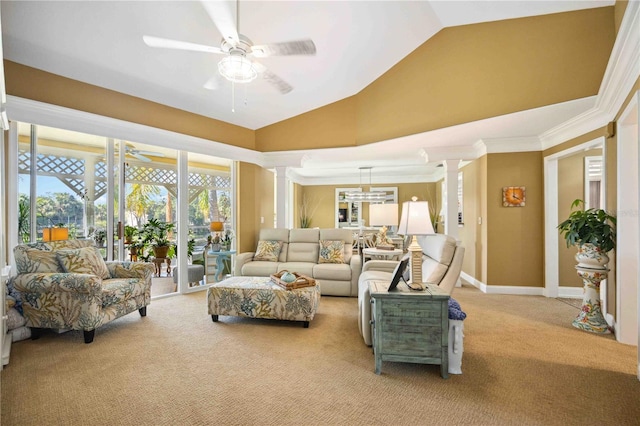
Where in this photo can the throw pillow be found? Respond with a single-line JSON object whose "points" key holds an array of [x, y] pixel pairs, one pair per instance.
{"points": [[35, 260], [268, 250], [331, 251], [87, 260]]}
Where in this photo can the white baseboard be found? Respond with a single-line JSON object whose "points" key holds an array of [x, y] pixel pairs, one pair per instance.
{"points": [[518, 290], [570, 292]]}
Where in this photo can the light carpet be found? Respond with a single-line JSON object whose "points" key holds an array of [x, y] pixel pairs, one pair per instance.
{"points": [[524, 364]]}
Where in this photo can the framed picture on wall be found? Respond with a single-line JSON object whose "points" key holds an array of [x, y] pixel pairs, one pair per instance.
{"points": [[513, 196]]}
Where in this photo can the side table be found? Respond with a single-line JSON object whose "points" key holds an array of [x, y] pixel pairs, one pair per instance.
{"points": [[158, 261], [410, 326], [376, 253], [221, 257]]}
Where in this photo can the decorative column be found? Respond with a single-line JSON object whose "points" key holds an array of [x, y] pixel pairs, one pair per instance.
{"points": [[281, 197], [591, 268], [451, 206]]}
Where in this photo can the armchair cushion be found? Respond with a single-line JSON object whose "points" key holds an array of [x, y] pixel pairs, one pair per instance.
{"points": [[268, 250], [331, 251], [86, 260]]}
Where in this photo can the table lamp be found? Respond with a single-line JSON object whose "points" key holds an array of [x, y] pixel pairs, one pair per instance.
{"points": [[216, 226], [383, 215], [415, 220]]}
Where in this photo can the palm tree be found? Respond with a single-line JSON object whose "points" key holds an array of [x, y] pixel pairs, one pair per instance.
{"points": [[139, 200]]}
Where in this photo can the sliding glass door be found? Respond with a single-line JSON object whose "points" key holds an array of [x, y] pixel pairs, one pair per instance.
{"points": [[78, 185]]}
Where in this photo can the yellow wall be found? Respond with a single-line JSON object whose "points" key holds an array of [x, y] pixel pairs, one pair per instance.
{"points": [[570, 187], [333, 126], [463, 74], [31, 83], [323, 198], [515, 234], [255, 201]]}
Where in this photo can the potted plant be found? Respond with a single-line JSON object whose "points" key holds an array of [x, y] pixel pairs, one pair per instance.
{"points": [[99, 235], [129, 233], [156, 234], [593, 232], [135, 249], [225, 240]]}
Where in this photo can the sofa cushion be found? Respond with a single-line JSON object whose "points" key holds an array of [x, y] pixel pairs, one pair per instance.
{"points": [[86, 260], [303, 245], [432, 271], [259, 268], [332, 272], [36, 257], [268, 250], [304, 268], [438, 247], [331, 251]]}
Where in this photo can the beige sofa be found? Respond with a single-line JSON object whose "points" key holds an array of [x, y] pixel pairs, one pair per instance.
{"points": [[300, 253], [441, 265]]}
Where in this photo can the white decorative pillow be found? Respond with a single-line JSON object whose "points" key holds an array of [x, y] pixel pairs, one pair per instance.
{"points": [[331, 251], [268, 250], [86, 260]]}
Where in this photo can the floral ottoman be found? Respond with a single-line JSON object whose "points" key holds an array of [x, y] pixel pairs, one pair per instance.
{"points": [[259, 297]]}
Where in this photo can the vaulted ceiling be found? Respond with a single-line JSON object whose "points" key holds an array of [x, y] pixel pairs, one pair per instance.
{"points": [[357, 42]]}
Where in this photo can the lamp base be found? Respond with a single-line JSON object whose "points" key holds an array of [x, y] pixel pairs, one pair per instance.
{"points": [[415, 286], [416, 265]]}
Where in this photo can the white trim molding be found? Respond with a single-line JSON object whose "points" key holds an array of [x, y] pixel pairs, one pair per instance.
{"points": [[623, 69], [501, 289], [33, 112], [570, 292]]}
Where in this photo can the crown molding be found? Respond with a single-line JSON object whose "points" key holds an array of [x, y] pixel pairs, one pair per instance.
{"points": [[34, 112], [623, 70], [381, 178], [504, 145], [439, 154]]}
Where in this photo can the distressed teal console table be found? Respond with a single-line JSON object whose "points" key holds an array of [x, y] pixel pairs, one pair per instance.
{"points": [[410, 326]]}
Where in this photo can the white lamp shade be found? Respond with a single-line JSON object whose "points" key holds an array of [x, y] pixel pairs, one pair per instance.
{"points": [[415, 219], [383, 214]]}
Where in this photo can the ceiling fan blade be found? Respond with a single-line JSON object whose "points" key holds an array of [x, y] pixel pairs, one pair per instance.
{"points": [[213, 83], [224, 19], [153, 153], [282, 86], [152, 41], [287, 48], [140, 157]]}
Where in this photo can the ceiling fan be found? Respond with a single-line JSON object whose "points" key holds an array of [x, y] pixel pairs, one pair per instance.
{"points": [[237, 66], [131, 151]]}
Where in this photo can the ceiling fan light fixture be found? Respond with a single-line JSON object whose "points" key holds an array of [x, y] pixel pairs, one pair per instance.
{"points": [[237, 69]]}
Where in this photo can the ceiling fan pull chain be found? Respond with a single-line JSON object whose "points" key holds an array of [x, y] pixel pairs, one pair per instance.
{"points": [[245, 95], [233, 97]]}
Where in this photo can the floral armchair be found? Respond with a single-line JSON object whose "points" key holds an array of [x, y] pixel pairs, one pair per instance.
{"points": [[67, 285]]}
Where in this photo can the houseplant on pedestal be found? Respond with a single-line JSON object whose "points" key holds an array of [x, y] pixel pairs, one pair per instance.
{"points": [[155, 233], [593, 232]]}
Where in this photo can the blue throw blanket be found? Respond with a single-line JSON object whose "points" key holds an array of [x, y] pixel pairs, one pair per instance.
{"points": [[455, 311]]}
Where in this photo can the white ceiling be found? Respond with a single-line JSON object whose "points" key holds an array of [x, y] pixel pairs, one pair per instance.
{"points": [[357, 41]]}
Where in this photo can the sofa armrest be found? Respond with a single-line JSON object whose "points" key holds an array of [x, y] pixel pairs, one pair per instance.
{"points": [[380, 265], [356, 270], [241, 259], [142, 270], [49, 282]]}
